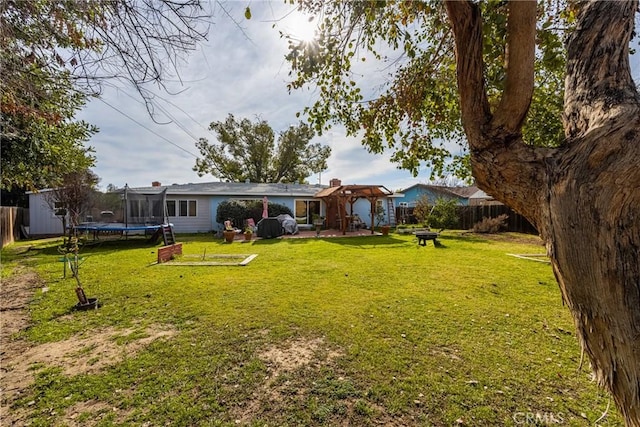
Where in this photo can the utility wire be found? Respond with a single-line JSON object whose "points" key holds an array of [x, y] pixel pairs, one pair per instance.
{"points": [[174, 120], [170, 116], [150, 130]]}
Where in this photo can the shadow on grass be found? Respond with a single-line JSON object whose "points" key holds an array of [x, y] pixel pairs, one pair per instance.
{"points": [[100, 246], [345, 241], [367, 241], [436, 244]]}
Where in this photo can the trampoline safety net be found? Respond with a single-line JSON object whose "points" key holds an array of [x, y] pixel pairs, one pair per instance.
{"points": [[145, 208]]}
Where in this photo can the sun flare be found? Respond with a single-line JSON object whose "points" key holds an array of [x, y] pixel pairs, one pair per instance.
{"points": [[300, 27]]}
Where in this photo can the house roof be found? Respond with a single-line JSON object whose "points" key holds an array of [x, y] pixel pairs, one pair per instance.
{"points": [[234, 189], [461, 192], [465, 192], [481, 195]]}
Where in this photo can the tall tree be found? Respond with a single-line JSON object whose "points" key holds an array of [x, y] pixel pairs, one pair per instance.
{"points": [[247, 151], [580, 188], [38, 150]]}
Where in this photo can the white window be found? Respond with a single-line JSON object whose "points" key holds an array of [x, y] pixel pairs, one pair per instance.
{"points": [[182, 208], [171, 208]]}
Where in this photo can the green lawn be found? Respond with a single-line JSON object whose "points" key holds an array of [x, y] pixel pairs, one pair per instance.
{"points": [[345, 331]]}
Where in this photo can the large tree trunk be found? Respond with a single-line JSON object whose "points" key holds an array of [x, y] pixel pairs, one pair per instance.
{"points": [[584, 197]]}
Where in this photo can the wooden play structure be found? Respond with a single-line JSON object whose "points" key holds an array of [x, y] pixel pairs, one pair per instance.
{"points": [[339, 201]]}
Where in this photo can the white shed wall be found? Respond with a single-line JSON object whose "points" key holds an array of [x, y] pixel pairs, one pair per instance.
{"points": [[41, 217]]}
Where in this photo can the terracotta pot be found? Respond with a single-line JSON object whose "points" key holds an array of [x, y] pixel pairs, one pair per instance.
{"points": [[248, 236], [229, 236], [385, 230]]}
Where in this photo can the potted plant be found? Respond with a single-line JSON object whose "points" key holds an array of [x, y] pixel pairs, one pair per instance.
{"points": [[318, 222], [385, 229], [229, 232], [248, 233]]}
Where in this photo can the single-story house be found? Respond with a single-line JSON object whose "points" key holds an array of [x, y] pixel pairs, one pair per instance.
{"points": [[465, 196], [192, 208]]}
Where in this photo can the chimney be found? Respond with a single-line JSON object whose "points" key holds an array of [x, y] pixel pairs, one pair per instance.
{"points": [[156, 184], [335, 182]]}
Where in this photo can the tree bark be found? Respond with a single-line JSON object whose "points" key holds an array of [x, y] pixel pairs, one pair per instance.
{"points": [[583, 197]]}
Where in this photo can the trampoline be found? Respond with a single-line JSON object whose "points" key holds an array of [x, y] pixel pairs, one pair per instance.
{"points": [[144, 214]]}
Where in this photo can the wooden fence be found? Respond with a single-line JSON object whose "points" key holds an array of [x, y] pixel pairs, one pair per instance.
{"points": [[470, 215], [11, 219]]}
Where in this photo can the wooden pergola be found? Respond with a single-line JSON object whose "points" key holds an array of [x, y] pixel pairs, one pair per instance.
{"points": [[337, 198]]}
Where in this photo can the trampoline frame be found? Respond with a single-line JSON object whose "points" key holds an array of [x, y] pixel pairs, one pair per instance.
{"points": [[102, 228]]}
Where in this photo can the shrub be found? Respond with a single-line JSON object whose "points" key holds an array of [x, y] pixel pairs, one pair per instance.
{"points": [[443, 214], [239, 212], [491, 225], [422, 209], [234, 211], [276, 209]]}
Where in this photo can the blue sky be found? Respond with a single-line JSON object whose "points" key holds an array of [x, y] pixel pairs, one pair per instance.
{"points": [[240, 71]]}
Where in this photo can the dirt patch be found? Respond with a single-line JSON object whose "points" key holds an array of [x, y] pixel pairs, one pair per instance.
{"points": [[84, 353], [80, 354], [296, 354], [17, 291], [292, 357]]}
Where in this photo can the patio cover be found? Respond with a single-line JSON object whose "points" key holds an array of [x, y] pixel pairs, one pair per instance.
{"points": [[336, 199]]}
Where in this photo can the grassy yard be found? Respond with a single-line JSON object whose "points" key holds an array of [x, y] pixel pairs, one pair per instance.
{"points": [[344, 331]]}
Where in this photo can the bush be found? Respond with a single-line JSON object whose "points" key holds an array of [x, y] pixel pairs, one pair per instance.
{"points": [[491, 225], [234, 211], [238, 212], [276, 209], [444, 214], [422, 209]]}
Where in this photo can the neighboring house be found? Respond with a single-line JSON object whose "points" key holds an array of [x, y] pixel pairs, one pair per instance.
{"points": [[465, 196], [192, 208], [480, 198]]}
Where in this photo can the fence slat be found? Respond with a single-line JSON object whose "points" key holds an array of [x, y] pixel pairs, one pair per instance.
{"points": [[11, 218]]}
